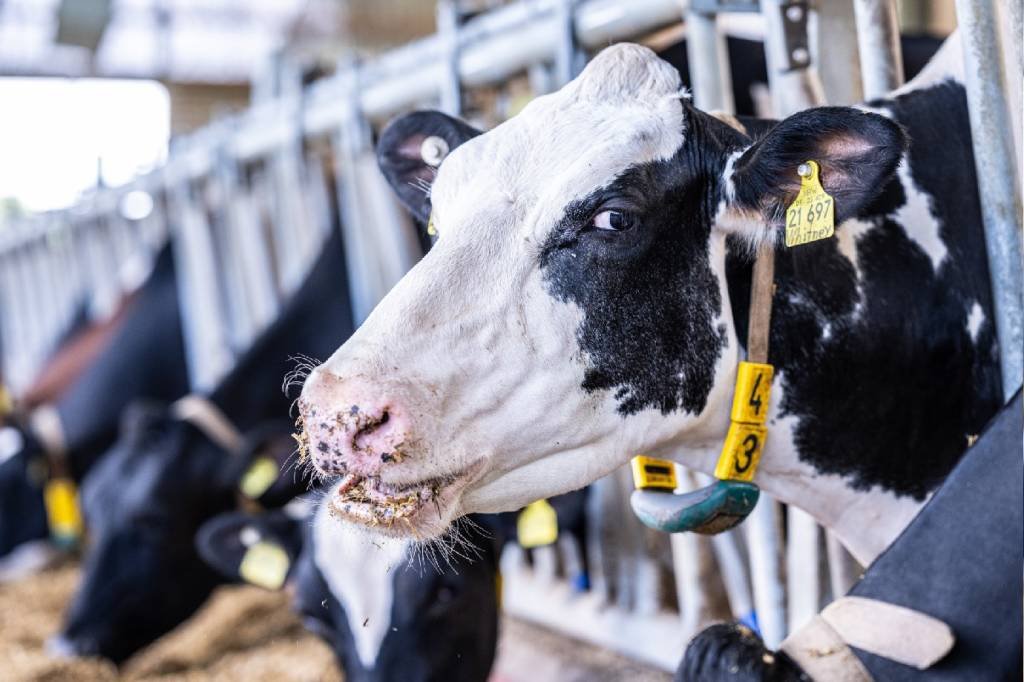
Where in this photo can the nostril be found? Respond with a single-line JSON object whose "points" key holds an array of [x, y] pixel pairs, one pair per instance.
{"points": [[371, 431]]}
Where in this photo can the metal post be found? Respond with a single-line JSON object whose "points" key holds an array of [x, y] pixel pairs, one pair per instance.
{"points": [[448, 30], [708, 56], [793, 81], [569, 59], [878, 40], [997, 180]]}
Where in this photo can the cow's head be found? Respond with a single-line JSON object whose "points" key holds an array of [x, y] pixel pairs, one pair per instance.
{"points": [[24, 533], [574, 310], [143, 504], [387, 614]]}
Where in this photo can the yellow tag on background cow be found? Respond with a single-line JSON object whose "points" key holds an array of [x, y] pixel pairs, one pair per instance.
{"points": [[265, 565], [259, 477], [61, 499], [753, 387], [537, 525], [6, 404], [741, 452], [811, 216], [431, 230], [651, 472]]}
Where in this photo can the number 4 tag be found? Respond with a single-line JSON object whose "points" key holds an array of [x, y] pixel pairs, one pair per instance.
{"points": [[753, 387]]}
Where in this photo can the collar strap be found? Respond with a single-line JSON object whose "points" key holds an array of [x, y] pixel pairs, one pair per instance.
{"points": [[822, 646], [45, 424], [209, 419]]}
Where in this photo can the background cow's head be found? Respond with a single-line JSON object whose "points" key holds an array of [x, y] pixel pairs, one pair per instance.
{"points": [[143, 504], [388, 613], [574, 310], [24, 530]]}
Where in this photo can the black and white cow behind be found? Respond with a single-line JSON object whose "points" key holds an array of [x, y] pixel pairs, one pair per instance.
{"points": [[587, 298], [165, 477], [388, 610], [145, 358], [959, 561]]}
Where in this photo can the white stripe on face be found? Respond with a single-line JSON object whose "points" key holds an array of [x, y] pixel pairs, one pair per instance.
{"points": [[358, 569]]}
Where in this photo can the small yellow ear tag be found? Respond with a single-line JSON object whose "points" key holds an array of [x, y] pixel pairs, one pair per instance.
{"points": [[537, 525], [6, 404], [258, 477], [650, 472], [431, 230], [811, 216], [61, 499], [265, 565]]}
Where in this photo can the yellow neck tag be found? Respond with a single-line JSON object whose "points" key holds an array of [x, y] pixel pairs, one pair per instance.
{"points": [[431, 230], [811, 216], [537, 525], [61, 499], [265, 565], [258, 477], [744, 443]]}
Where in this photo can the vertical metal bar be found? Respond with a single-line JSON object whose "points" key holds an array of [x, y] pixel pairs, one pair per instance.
{"points": [[802, 559], [448, 30], [769, 599], [878, 40], [569, 59], [992, 139], [793, 82], [834, 50], [708, 56]]}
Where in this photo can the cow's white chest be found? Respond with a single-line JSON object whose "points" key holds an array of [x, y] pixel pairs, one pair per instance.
{"points": [[358, 569]]}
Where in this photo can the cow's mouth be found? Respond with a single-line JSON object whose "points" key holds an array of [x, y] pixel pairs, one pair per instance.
{"points": [[370, 501]]}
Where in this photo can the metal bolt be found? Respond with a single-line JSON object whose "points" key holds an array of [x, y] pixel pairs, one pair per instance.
{"points": [[795, 13], [433, 150], [800, 55], [804, 170]]}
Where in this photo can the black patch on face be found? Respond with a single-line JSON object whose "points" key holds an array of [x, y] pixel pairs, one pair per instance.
{"points": [[888, 399], [648, 294]]}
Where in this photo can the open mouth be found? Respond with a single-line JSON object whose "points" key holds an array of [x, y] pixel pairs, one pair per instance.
{"points": [[371, 501]]}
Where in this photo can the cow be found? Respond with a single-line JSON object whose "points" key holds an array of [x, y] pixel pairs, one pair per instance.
{"points": [[170, 473], [587, 300], [143, 358], [388, 610], [959, 561]]}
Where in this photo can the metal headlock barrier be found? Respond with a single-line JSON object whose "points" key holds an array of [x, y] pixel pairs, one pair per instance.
{"points": [[248, 200]]}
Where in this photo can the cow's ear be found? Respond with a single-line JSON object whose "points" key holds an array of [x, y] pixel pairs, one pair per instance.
{"points": [[856, 153], [410, 150], [258, 549], [265, 468]]}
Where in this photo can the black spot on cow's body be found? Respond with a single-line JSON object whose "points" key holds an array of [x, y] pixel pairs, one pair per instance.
{"points": [[882, 373], [650, 300]]}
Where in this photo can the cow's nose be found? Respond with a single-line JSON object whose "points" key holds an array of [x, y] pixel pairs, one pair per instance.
{"points": [[351, 426], [60, 646]]}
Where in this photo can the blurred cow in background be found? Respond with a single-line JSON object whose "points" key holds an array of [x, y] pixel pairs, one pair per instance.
{"points": [[143, 357], [173, 469]]}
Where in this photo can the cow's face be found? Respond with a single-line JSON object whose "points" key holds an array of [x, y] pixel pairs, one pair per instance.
{"points": [[574, 310], [143, 504], [390, 616]]}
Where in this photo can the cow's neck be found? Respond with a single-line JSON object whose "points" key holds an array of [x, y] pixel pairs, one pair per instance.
{"points": [[865, 518]]}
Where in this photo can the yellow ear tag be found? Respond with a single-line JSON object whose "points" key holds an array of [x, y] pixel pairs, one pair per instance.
{"points": [[265, 565], [258, 477], [537, 525], [431, 230], [811, 216], [6, 404], [61, 499]]}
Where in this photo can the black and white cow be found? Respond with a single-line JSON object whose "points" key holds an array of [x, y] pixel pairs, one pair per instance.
{"points": [[959, 561], [587, 300], [389, 610], [144, 358], [145, 501]]}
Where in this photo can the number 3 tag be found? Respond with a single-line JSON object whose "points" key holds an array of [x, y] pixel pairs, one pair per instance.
{"points": [[811, 216], [741, 452]]}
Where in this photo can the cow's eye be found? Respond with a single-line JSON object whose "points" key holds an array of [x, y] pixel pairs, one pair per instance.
{"points": [[614, 220]]}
